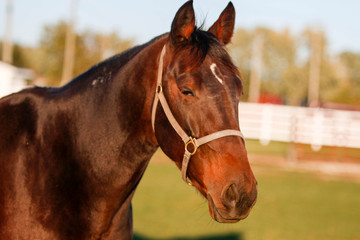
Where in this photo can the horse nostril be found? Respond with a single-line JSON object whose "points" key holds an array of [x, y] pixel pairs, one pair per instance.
{"points": [[230, 196]]}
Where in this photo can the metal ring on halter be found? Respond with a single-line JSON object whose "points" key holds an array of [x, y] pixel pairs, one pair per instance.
{"points": [[158, 89], [191, 142]]}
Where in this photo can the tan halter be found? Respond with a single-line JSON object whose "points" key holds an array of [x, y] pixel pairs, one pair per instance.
{"points": [[191, 143]]}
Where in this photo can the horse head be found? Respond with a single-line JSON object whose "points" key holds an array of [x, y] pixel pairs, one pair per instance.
{"points": [[202, 88]]}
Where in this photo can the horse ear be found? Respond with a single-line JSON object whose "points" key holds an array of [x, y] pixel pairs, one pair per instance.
{"points": [[183, 24], [223, 28]]}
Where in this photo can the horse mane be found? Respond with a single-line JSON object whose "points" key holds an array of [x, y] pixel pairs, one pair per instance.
{"points": [[112, 64]]}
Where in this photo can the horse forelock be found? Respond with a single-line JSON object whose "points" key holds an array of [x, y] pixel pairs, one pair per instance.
{"points": [[202, 44]]}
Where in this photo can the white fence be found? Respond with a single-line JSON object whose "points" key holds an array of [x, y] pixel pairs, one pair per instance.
{"points": [[316, 126]]}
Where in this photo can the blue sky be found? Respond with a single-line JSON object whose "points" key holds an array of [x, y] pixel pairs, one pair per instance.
{"points": [[144, 19]]}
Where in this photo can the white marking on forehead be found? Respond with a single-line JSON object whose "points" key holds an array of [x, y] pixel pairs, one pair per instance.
{"points": [[213, 68]]}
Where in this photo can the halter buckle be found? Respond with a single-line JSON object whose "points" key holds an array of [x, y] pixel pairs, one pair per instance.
{"points": [[192, 145]]}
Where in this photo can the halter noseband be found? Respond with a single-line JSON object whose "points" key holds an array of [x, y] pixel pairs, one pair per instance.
{"points": [[191, 143]]}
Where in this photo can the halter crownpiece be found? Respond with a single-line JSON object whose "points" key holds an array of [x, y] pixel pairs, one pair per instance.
{"points": [[191, 143]]}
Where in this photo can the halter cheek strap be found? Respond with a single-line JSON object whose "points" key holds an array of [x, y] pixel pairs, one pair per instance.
{"points": [[191, 144]]}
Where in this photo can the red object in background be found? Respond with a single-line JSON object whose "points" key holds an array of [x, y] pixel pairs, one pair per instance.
{"points": [[270, 98]]}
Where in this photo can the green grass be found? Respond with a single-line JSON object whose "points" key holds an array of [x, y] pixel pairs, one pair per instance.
{"points": [[290, 206]]}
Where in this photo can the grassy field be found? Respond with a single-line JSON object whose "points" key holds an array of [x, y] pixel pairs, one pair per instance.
{"points": [[290, 205]]}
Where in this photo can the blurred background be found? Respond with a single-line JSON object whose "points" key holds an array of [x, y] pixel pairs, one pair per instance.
{"points": [[300, 65]]}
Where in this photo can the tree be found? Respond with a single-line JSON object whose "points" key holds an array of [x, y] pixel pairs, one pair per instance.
{"points": [[90, 49], [282, 74], [347, 87], [286, 66], [21, 55]]}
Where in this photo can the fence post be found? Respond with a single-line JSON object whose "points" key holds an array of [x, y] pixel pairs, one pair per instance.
{"points": [[7, 51], [291, 149]]}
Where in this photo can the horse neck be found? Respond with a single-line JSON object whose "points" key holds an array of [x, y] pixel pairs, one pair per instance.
{"points": [[126, 111], [135, 87]]}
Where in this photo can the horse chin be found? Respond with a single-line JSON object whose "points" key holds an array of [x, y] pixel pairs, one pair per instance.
{"points": [[215, 213]]}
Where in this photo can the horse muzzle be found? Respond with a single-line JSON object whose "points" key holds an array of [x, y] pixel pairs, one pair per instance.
{"points": [[236, 204]]}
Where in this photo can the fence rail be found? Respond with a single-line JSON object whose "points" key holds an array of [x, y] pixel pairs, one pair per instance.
{"points": [[315, 126]]}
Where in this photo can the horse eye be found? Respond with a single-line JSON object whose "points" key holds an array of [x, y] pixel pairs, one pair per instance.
{"points": [[187, 92]]}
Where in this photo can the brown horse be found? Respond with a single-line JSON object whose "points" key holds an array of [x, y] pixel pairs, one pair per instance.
{"points": [[72, 157]]}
